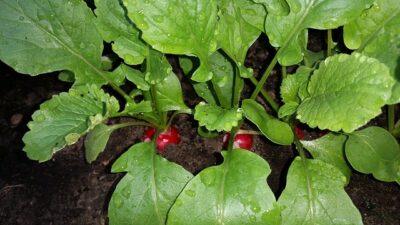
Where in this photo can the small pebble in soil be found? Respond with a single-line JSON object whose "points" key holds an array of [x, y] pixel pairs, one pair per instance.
{"points": [[16, 119]]}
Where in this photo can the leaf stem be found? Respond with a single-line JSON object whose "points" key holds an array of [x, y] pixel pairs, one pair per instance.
{"points": [[329, 43], [251, 132], [391, 112], [129, 124], [232, 136], [267, 97], [265, 76], [284, 71]]}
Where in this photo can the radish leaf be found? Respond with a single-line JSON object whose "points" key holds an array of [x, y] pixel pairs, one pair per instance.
{"points": [[232, 193], [149, 188], [345, 93], [374, 151], [66, 117], [314, 194]]}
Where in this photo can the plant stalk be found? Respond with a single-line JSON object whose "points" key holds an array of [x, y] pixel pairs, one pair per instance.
{"points": [[265, 76], [329, 43], [391, 112], [266, 96]]}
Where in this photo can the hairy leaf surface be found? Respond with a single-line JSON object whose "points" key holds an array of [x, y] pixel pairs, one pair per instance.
{"points": [[178, 27], [114, 26], [148, 190], [216, 118], [345, 93], [96, 141], [314, 194], [233, 193], [374, 151], [223, 83], [377, 34], [236, 33], [63, 119], [288, 31], [45, 36], [330, 149]]}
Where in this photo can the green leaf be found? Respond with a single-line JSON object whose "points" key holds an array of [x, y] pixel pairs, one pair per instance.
{"points": [[186, 64], [374, 151], [279, 7], [169, 94], [275, 130], [96, 141], [314, 194], [66, 76], [216, 118], [45, 36], [376, 33], [236, 33], [204, 91], [288, 109], [134, 76], [61, 120], [115, 27], [232, 193], [148, 190], [178, 27], [224, 80], [286, 31], [330, 149], [157, 67], [136, 108], [345, 93], [295, 83], [222, 83]]}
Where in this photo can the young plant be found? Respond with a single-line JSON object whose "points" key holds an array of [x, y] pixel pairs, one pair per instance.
{"points": [[330, 90]]}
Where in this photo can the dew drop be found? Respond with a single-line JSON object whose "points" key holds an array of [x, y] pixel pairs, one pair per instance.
{"points": [[118, 202], [159, 19], [21, 18], [190, 193], [207, 179], [126, 192]]}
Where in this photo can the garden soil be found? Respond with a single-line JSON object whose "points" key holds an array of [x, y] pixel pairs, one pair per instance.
{"points": [[68, 191]]}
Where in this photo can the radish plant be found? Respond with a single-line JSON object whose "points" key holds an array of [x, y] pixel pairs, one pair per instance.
{"points": [[334, 90]]}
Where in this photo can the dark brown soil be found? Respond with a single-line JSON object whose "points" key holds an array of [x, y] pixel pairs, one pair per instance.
{"points": [[68, 191]]}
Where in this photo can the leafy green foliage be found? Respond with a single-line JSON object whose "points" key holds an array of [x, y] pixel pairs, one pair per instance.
{"points": [[232, 193], [96, 141], [374, 150], [114, 27], [289, 32], [169, 94], [345, 93], [178, 27], [51, 36], [314, 194], [275, 130], [237, 32], [293, 90], [330, 149], [224, 83], [63, 119], [133, 76], [216, 118], [279, 7], [377, 34], [149, 188]]}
